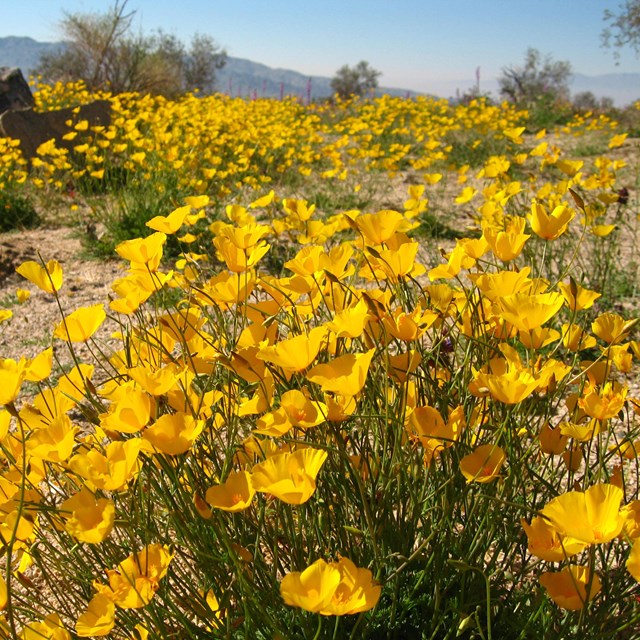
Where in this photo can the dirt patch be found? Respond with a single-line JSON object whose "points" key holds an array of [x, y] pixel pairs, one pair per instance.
{"points": [[86, 282]]}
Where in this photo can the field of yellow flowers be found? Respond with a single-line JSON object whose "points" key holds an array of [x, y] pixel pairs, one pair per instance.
{"points": [[309, 422]]}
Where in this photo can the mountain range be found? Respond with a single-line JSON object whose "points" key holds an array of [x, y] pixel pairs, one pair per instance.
{"points": [[242, 77], [239, 77]]}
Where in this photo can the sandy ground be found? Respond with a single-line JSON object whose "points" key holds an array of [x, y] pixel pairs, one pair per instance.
{"points": [[86, 282]]}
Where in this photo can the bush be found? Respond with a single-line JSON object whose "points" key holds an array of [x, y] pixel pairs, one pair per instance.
{"points": [[16, 212]]}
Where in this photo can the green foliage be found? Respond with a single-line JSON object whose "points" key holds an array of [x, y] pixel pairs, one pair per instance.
{"points": [[124, 214], [431, 226], [16, 211], [467, 148], [355, 81], [547, 111], [629, 119], [590, 147], [338, 197]]}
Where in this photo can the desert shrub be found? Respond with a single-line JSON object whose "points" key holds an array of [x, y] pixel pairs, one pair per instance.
{"points": [[17, 212]]}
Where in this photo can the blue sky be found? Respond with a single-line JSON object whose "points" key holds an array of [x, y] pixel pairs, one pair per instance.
{"points": [[424, 45]]}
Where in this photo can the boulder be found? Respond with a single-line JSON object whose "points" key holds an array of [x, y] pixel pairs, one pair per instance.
{"points": [[14, 90], [33, 128]]}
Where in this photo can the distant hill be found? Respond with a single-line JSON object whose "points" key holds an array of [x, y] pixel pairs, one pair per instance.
{"points": [[242, 77], [246, 78], [238, 77], [24, 52], [624, 88]]}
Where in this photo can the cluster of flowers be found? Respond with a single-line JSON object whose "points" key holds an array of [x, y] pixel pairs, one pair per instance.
{"points": [[300, 372], [217, 145], [258, 394]]}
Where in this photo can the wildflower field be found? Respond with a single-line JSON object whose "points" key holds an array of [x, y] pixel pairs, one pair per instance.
{"points": [[369, 371]]}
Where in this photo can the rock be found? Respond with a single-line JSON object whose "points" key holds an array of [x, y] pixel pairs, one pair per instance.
{"points": [[32, 128], [14, 90]]}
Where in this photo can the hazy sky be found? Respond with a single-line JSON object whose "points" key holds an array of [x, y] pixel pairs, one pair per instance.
{"points": [[424, 45]]}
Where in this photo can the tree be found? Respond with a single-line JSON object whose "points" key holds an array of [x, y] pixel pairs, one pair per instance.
{"points": [[355, 81], [623, 27], [587, 101], [202, 62], [103, 51], [539, 77]]}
